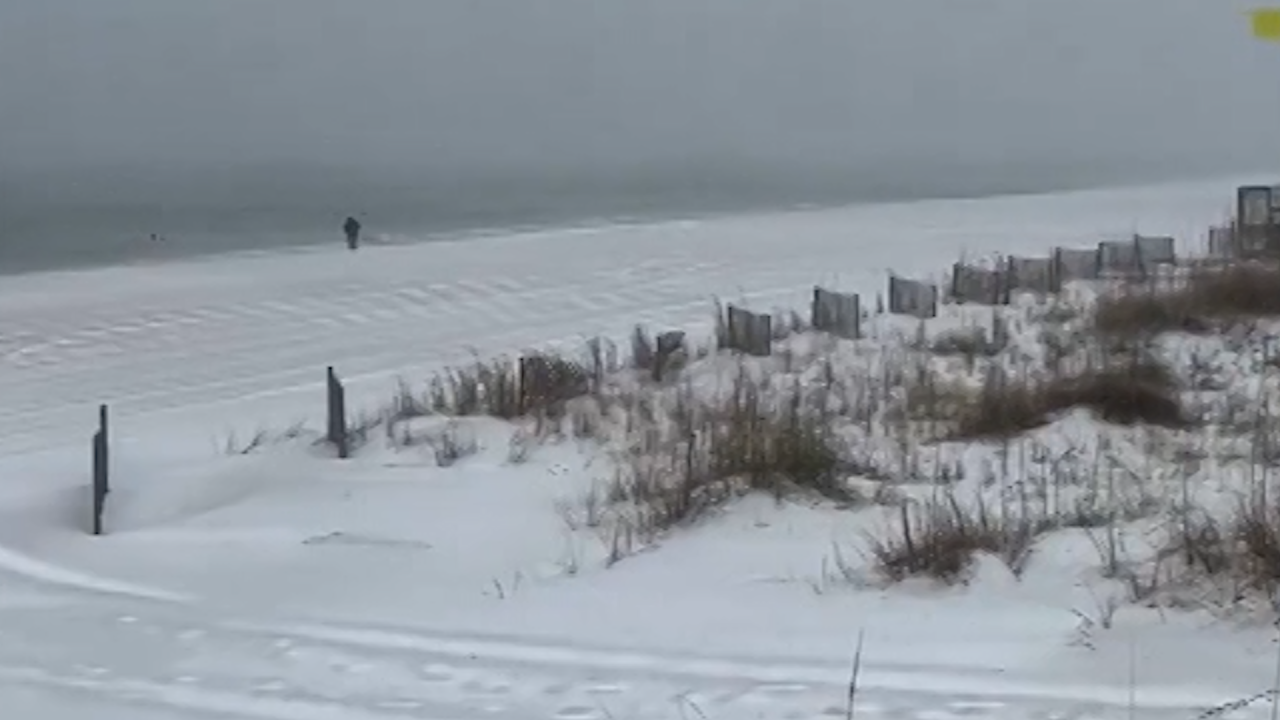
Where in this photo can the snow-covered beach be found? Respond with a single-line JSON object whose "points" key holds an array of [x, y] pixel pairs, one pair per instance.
{"points": [[283, 583]]}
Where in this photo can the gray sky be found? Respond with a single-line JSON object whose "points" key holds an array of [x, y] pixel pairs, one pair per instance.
{"points": [[613, 83]]}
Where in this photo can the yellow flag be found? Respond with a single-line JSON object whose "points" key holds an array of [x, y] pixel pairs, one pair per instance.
{"points": [[1266, 23]]}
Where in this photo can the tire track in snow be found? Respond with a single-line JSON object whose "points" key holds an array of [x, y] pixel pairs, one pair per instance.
{"points": [[189, 698], [277, 321], [267, 360], [276, 675], [784, 675], [22, 566], [238, 329], [252, 358], [191, 658]]}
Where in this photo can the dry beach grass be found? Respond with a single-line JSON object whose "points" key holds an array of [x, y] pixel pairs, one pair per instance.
{"points": [[893, 420], [1113, 405]]}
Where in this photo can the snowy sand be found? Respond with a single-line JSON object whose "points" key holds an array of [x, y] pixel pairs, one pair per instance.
{"points": [[284, 584]]}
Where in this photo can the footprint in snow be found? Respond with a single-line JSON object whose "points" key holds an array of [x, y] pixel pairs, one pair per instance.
{"points": [[937, 715], [270, 686], [781, 689], [576, 712], [976, 706], [481, 687], [399, 704], [436, 673]]}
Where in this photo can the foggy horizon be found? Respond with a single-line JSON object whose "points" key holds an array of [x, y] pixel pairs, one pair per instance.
{"points": [[490, 85], [119, 117]]}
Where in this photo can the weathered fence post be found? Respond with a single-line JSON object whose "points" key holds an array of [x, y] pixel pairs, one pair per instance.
{"points": [[101, 469], [911, 297], [837, 313], [1257, 231], [667, 346], [337, 410], [748, 332], [1075, 264]]}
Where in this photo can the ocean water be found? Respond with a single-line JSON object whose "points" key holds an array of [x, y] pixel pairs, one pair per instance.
{"points": [[66, 219]]}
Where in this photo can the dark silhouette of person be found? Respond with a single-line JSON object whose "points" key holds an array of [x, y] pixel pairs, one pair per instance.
{"points": [[352, 228]]}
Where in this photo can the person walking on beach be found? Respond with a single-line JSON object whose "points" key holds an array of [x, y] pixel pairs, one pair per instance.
{"points": [[352, 228]]}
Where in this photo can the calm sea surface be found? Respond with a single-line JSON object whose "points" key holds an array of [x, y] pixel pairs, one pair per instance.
{"points": [[55, 220]]}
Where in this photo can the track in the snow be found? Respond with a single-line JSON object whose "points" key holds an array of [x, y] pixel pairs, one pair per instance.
{"points": [[179, 338], [183, 658], [181, 342], [195, 351]]}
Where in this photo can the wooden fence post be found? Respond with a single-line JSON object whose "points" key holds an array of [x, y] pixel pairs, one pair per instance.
{"points": [[101, 469], [336, 403]]}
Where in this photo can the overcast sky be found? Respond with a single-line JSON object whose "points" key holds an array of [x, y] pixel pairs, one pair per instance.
{"points": [[528, 83]]}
